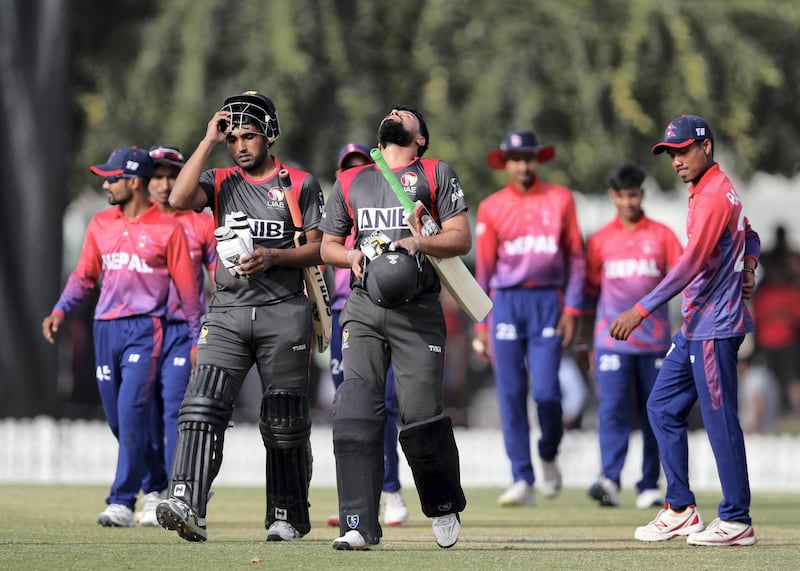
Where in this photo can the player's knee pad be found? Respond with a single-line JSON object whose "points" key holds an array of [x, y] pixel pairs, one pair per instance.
{"points": [[203, 418], [285, 428], [432, 455], [356, 427]]}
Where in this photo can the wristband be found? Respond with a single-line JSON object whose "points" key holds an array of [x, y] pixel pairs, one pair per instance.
{"points": [[348, 256]]}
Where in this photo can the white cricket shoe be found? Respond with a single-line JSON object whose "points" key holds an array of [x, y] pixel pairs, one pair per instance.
{"points": [[605, 492], [176, 515], [520, 493], [723, 534], [446, 529], [669, 523], [116, 515], [650, 498], [551, 479], [282, 531], [395, 511], [147, 517], [354, 541]]}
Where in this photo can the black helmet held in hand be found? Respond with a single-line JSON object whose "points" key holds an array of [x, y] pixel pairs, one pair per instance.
{"points": [[392, 278]]}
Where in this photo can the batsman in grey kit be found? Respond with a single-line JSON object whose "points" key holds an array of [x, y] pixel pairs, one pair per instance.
{"points": [[258, 315], [394, 314]]}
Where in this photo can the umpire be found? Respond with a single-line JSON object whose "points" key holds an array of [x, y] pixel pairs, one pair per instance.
{"points": [[394, 315]]}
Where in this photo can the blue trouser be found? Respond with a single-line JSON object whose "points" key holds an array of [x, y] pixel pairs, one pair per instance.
{"points": [[615, 374], [126, 357], [391, 469], [702, 370], [526, 354], [174, 370]]}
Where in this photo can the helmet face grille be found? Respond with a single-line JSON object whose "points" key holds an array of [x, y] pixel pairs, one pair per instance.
{"points": [[252, 108]]}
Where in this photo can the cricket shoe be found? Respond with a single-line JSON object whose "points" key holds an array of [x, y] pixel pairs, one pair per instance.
{"points": [[395, 511], [446, 529], [116, 515], [520, 493], [147, 517], [282, 531], [175, 515], [669, 523], [354, 541], [650, 498], [551, 479], [724, 534], [605, 492]]}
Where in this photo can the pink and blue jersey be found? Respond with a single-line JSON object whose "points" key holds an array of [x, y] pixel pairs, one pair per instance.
{"points": [[623, 265], [135, 259], [199, 230], [709, 272], [531, 240]]}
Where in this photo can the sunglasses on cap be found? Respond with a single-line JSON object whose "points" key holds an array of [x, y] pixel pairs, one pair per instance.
{"points": [[165, 153], [113, 179]]}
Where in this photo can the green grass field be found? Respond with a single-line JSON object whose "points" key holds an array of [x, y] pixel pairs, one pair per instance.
{"points": [[54, 527]]}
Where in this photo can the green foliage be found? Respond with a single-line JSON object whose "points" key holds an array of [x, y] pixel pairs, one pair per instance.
{"points": [[599, 79]]}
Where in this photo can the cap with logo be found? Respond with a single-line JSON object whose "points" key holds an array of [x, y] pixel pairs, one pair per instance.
{"points": [[682, 132], [519, 142], [352, 149], [126, 162]]}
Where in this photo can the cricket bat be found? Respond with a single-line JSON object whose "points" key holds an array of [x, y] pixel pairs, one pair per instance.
{"points": [[454, 274], [316, 290]]}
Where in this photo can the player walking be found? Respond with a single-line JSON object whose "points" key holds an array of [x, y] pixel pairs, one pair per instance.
{"points": [[393, 506], [257, 315], [175, 365], [394, 314], [135, 252], [625, 260], [530, 255], [716, 272]]}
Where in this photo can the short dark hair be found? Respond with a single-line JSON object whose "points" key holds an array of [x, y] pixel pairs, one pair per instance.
{"points": [[626, 176], [423, 128]]}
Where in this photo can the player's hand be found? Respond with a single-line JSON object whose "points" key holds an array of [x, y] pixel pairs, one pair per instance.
{"points": [[356, 259], [410, 243], [219, 127], [480, 344], [50, 326], [625, 323], [566, 328], [259, 261], [748, 283]]}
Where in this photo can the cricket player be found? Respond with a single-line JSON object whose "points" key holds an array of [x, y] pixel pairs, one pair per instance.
{"points": [[394, 314], [716, 273], [135, 252], [530, 256]]}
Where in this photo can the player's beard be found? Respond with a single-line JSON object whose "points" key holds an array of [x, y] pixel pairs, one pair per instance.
{"points": [[391, 132]]}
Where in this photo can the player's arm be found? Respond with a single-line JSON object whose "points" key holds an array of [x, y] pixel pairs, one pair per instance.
{"points": [[485, 264], [711, 218], [455, 239], [179, 266], [80, 283], [576, 272], [302, 256], [335, 252], [187, 194]]}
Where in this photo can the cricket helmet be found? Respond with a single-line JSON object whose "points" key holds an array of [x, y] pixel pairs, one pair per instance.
{"points": [[251, 107], [392, 278]]}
